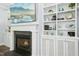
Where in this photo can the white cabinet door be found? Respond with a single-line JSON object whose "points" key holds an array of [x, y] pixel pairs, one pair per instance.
{"points": [[47, 47], [60, 47], [51, 47], [71, 47]]}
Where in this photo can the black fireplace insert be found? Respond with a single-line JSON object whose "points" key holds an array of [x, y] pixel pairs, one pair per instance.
{"points": [[23, 42]]}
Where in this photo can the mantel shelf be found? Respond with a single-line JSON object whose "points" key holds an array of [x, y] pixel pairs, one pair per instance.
{"points": [[25, 24]]}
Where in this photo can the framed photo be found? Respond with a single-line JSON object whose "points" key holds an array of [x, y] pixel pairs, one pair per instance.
{"points": [[23, 12]]}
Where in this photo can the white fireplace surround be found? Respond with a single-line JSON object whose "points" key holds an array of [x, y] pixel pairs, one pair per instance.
{"points": [[31, 28]]}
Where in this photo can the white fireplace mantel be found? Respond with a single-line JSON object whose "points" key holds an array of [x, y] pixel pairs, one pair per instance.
{"points": [[32, 28]]}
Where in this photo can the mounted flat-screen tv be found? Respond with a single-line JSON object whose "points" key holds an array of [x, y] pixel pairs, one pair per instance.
{"points": [[22, 13]]}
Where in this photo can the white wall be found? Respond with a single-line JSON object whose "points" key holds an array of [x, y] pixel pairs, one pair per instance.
{"points": [[3, 22]]}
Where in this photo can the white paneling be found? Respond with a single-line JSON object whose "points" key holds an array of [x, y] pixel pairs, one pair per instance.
{"points": [[43, 47], [71, 47], [51, 47], [48, 47], [60, 47]]}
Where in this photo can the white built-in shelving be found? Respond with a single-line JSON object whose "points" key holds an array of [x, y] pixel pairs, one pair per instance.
{"points": [[59, 30], [59, 15]]}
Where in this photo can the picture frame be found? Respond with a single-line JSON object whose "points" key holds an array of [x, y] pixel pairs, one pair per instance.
{"points": [[23, 12]]}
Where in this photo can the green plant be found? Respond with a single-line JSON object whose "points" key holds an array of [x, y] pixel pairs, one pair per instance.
{"points": [[72, 5]]}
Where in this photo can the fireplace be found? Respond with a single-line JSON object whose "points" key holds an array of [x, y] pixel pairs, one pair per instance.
{"points": [[23, 42]]}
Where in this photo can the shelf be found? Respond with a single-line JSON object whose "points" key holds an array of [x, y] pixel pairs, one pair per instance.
{"points": [[63, 37], [59, 37], [50, 21], [66, 29], [65, 26], [46, 14], [66, 11], [69, 20], [49, 30], [49, 36]]}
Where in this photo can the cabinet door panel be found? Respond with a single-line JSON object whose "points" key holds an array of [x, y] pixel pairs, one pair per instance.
{"points": [[45, 47], [48, 47], [60, 44], [71, 48], [51, 48]]}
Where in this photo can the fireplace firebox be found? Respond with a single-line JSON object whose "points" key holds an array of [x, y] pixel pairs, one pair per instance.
{"points": [[23, 42]]}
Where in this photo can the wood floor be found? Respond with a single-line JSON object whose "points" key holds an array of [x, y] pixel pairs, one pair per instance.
{"points": [[5, 51], [12, 53]]}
